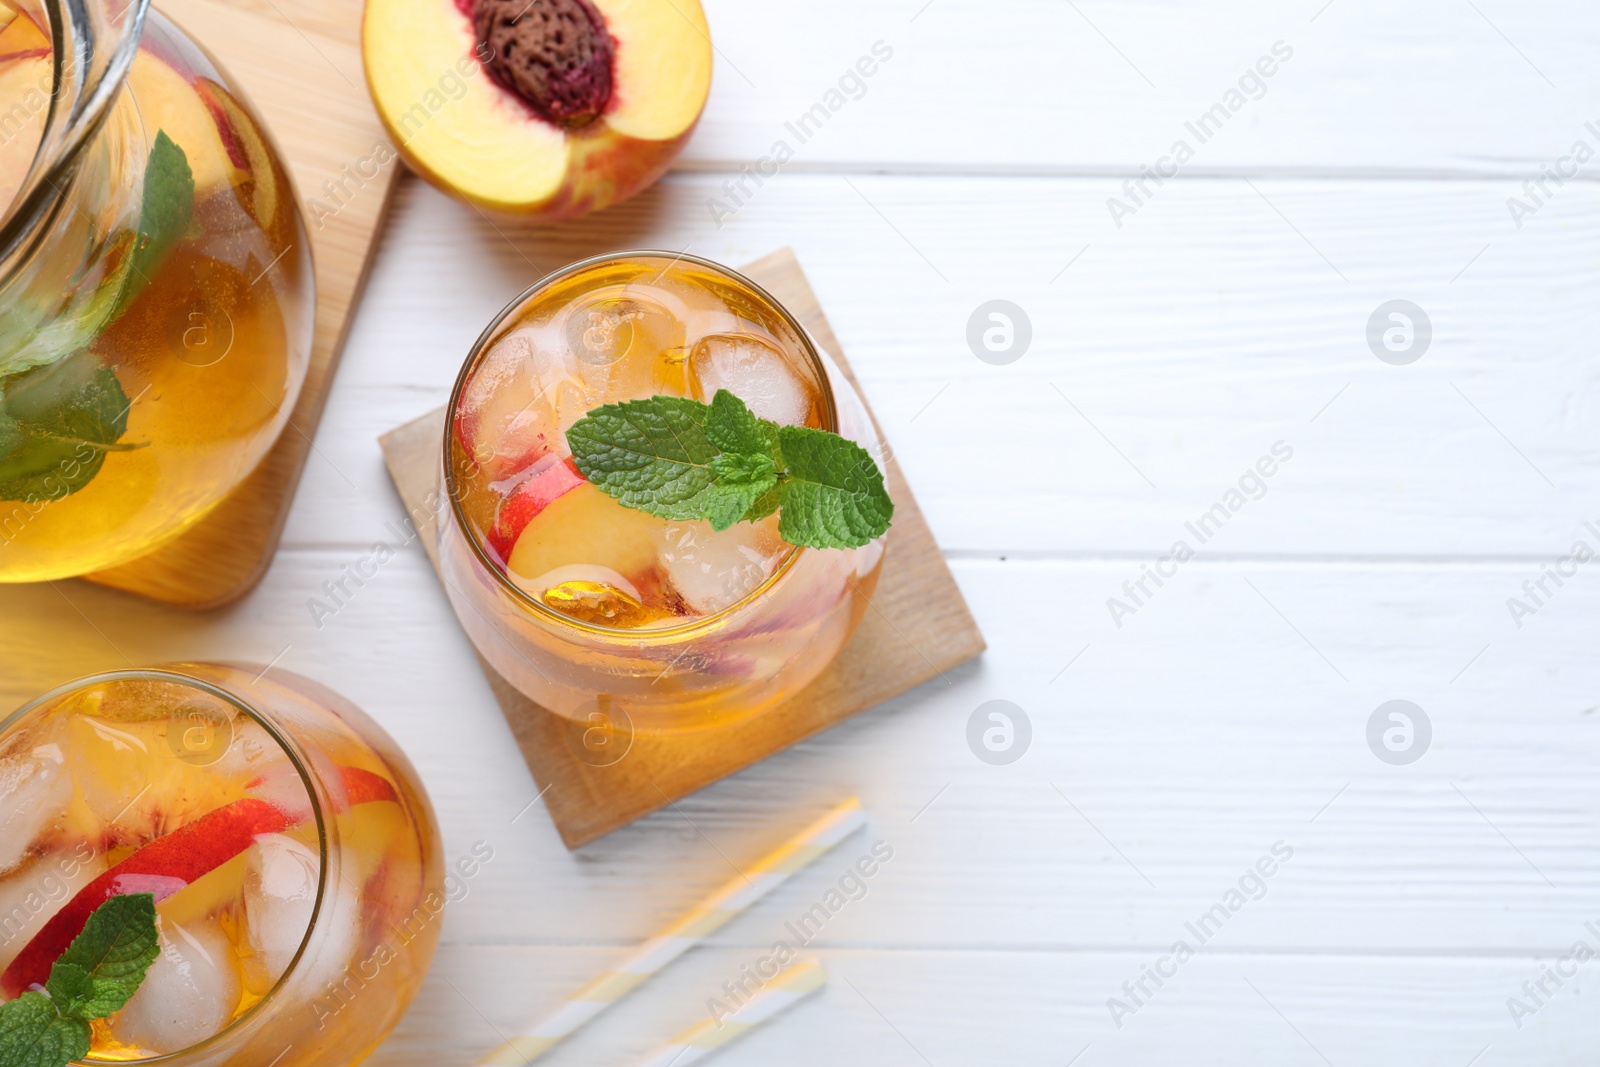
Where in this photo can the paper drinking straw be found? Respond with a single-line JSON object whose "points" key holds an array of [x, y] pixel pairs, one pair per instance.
{"points": [[779, 995], [739, 893]]}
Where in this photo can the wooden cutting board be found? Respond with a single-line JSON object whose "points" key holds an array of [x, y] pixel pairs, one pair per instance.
{"points": [[299, 63], [917, 629]]}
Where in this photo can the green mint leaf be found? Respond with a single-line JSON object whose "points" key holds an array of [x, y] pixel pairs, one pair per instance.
{"points": [[105, 964], [57, 423], [32, 335], [735, 468], [733, 427], [164, 214], [741, 481], [60, 414], [35, 333], [650, 455], [766, 503], [834, 495], [33, 1034], [76, 993], [680, 459]]}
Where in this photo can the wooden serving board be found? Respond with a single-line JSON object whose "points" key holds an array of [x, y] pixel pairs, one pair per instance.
{"points": [[299, 63], [917, 628]]}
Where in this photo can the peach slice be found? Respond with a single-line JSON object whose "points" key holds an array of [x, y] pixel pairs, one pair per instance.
{"points": [[529, 500], [171, 863], [19, 34], [25, 80], [246, 149], [168, 102], [583, 526], [551, 109]]}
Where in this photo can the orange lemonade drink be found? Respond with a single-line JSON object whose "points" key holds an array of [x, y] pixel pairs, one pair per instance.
{"points": [[600, 611], [155, 299], [291, 852]]}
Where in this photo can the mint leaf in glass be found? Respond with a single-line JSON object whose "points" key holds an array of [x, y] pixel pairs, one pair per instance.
{"points": [[680, 459], [34, 334], [104, 965], [97, 974], [833, 496], [34, 1034], [61, 410], [57, 425], [164, 213], [651, 455], [733, 427], [742, 479]]}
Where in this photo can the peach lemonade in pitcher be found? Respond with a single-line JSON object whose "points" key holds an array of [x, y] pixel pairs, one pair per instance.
{"points": [[660, 495], [155, 287]]}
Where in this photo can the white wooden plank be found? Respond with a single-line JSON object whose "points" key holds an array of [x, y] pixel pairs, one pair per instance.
{"points": [[898, 1007], [1178, 349], [1432, 86], [1229, 711], [1169, 757]]}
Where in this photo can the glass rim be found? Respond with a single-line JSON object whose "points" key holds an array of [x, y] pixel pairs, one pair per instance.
{"points": [[648, 635], [173, 673], [69, 126]]}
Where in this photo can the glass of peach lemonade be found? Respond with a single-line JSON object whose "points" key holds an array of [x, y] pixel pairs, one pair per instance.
{"points": [[288, 847], [663, 504], [155, 286]]}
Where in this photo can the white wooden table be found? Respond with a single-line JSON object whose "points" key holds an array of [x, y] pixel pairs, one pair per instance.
{"points": [[1229, 712]]}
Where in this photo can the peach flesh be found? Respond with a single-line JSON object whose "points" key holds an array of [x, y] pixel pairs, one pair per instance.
{"points": [[442, 95]]}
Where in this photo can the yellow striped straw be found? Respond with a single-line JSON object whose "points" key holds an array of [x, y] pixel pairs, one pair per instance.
{"points": [[738, 894], [779, 995]]}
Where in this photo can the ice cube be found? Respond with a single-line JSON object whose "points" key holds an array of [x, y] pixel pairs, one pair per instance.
{"points": [[281, 786], [507, 411], [752, 369], [280, 891], [712, 570], [32, 894], [249, 750], [623, 345], [601, 331], [190, 992], [34, 790]]}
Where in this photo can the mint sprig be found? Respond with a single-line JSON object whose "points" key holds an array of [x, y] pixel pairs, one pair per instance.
{"points": [[61, 409], [98, 973], [680, 459], [57, 425], [34, 1034], [164, 213]]}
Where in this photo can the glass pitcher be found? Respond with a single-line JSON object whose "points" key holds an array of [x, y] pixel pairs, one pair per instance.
{"points": [[156, 292]]}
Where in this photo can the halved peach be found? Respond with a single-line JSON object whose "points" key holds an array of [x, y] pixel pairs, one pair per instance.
{"points": [[551, 109]]}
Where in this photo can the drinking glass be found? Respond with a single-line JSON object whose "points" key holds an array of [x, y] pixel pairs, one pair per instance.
{"points": [[290, 847], [612, 617]]}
